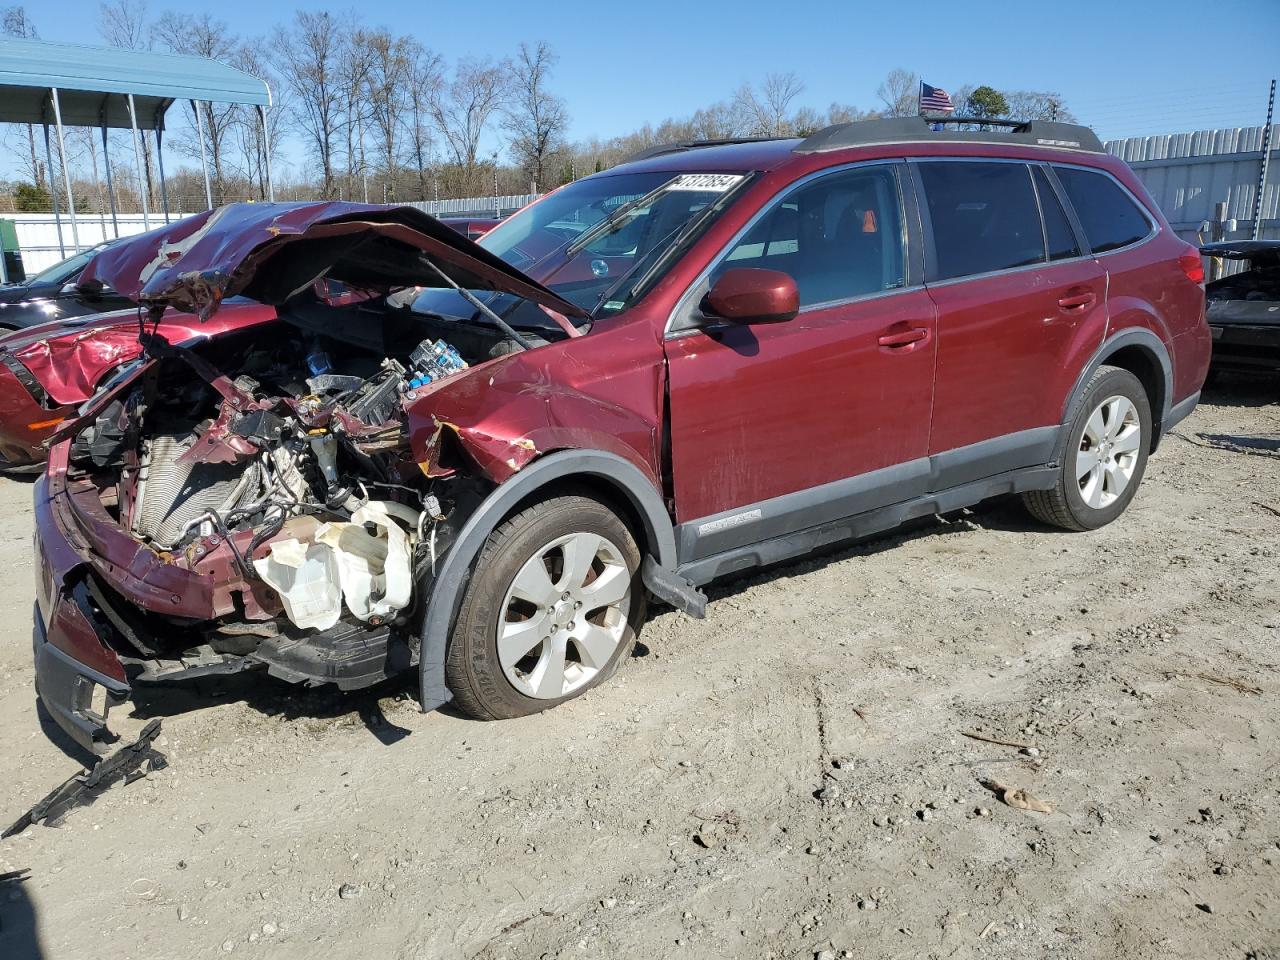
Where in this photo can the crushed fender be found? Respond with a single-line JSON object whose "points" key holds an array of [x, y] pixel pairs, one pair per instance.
{"points": [[126, 764]]}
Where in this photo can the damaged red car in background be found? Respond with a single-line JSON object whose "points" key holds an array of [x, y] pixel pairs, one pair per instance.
{"points": [[47, 371]]}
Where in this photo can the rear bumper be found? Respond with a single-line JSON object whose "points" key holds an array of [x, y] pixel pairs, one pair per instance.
{"points": [[1240, 346]]}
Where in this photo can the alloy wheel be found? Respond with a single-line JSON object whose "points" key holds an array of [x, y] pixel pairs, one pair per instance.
{"points": [[564, 615], [1108, 452]]}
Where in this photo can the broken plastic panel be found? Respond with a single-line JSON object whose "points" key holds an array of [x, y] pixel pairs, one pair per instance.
{"points": [[367, 562]]}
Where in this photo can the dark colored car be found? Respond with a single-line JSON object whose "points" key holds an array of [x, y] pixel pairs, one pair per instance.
{"points": [[52, 294], [709, 359], [1243, 309]]}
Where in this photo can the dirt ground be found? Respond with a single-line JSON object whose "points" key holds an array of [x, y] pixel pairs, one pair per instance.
{"points": [[787, 778]]}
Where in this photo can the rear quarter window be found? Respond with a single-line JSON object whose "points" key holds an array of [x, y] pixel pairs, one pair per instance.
{"points": [[1109, 216]]}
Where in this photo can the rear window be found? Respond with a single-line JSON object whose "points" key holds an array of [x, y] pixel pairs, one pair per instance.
{"points": [[1109, 216], [984, 217]]}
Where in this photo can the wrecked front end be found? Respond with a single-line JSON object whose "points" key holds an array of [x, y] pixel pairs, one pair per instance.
{"points": [[255, 502], [254, 505]]}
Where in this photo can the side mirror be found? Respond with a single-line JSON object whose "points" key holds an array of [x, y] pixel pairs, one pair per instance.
{"points": [[69, 289], [752, 295]]}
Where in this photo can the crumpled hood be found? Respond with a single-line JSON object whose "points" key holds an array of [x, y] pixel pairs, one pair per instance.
{"points": [[272, 251]]}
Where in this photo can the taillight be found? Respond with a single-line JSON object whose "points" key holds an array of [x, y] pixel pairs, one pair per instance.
{"points": [[1192, 265]]}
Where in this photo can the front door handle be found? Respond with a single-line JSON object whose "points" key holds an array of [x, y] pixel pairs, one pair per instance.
{"points": [[904, 338], [1078, 302]]}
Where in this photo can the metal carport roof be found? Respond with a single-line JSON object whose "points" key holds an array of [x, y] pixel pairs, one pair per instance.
{"points": [[85, 77], [70, 84]]}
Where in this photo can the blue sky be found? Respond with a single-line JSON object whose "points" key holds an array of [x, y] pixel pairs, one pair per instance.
{"points": [[1127, 67]]}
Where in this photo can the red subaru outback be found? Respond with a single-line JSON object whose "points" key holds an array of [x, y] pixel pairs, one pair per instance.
{"points": [[713, 357]]}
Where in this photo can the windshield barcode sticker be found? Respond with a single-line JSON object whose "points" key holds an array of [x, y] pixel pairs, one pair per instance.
{"points": [[705, 182]]}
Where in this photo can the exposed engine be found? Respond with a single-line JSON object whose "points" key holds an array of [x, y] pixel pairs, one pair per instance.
{"points": [[290, 484]]}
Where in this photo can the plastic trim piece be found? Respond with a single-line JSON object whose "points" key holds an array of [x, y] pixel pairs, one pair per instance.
{"points": [[833, 506], [805, 541]]}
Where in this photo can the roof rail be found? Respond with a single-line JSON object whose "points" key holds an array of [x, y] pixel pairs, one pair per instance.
{"points": [[1034, 133], [681, 145]]}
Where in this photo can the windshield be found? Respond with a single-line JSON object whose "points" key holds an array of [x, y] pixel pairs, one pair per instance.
{"points": [[65, 270], [599, 242]]}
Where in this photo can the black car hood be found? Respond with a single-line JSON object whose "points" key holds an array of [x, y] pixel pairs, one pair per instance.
{"points": [[273, 251], [21, 292], [1261, 253]]}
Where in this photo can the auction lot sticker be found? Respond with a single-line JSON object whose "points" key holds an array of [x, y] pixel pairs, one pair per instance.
{"points": [[705, 182]]}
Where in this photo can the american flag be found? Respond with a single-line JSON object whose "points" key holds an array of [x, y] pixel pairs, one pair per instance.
{"points": [[935, 99]]}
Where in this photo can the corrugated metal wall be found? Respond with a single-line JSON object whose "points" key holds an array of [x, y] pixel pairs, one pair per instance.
{"points": [[475, 206], [38, 235], [1188, 174]]}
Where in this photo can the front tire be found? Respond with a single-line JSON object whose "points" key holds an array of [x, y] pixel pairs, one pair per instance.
{"points": [[551, 610], [1103, 455]]}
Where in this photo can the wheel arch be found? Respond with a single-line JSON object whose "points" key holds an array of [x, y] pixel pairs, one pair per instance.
{"points": [[605, 472], [1142, 353]]}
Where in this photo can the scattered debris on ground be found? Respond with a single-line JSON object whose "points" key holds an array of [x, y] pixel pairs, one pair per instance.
{"points": [[127, 764]]}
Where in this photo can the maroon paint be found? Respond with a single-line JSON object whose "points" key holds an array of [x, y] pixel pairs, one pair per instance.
{"points": [[755, 411], [753, 295], [760, 411], [599, 392], [1010, 347]]}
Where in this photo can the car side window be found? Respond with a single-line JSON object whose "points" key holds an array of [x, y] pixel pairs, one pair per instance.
{"points": [[984, 217], [1109, 216], [1057, 228], [839, 236]]}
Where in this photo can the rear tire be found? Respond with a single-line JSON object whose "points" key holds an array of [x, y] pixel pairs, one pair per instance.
{"points": [[551, 610], [1102, 456]]}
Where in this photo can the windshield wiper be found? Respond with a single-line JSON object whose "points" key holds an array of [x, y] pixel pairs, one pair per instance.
{"points": [[610, 223], [664, 247]]}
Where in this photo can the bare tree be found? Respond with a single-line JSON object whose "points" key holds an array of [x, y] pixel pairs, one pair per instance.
{"points": [[900, 93], [768, 109], [310, 52], [355, 64], [15, 22], [722, 120], [123, 23], [536, 118], [425, 78], [387, 90], [202, 36], [1036, 105], [246, 130], [848, 113], [463, 108]]}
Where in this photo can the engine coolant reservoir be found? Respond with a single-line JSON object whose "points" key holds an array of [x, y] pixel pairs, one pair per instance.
{"points": [[306, 577]]}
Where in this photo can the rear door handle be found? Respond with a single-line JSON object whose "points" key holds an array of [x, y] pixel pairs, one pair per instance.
{"points": [[1078, 302], [904, 338]]}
